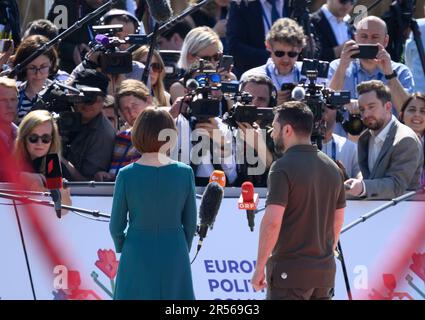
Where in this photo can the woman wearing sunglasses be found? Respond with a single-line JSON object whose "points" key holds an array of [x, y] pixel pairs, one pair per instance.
{"points": [[156, 75], [200, 43], [285, 41], [37, 136], [35, 75]]}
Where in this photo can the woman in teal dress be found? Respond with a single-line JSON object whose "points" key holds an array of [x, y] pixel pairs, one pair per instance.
{"points": [[155, 198]]}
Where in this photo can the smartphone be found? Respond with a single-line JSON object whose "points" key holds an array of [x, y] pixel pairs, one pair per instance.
{"points": [[5, 44], [288, 86], [367, 51], [226, 62]]}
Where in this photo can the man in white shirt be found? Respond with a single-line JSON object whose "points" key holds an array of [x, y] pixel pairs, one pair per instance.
{"points": [[331, 27], [390, 153]]}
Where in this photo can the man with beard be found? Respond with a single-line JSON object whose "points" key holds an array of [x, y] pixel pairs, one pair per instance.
{"points": [[304, 213], [390, 153]]}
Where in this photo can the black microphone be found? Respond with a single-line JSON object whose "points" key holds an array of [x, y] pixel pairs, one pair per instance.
{"points": [[54, 181], [160, 10], [210, 204]]}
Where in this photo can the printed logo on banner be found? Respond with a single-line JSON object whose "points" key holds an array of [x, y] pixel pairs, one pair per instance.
{"points": [[390, 282]]}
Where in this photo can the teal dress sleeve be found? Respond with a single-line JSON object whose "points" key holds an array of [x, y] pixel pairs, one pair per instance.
{"points": [[119, 221], [189, 211]]}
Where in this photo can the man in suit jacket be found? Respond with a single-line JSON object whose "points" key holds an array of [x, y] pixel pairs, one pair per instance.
{"points": [[390, 153], [247, 26], [331, 27]]}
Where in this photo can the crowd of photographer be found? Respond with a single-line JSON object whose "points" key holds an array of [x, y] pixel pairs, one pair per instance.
{"points": [[222, 105]]}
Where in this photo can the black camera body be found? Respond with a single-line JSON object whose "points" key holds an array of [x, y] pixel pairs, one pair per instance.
{"points": [[244, 111]]}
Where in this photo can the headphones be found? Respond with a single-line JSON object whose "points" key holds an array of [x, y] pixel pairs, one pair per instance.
{"points": [[106, 19], [265, 80]]}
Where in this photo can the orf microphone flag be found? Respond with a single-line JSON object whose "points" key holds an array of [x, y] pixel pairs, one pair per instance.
{"points": [[248, 201], [219, 177], [54, 180]]}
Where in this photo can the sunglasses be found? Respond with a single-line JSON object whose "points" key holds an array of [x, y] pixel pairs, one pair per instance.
{"points": [[155, 66], [291, 54], [348, 1], [45, 138], [216, 57]]}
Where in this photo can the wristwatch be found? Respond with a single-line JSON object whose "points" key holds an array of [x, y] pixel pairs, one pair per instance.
{"points": [[390, 76]]}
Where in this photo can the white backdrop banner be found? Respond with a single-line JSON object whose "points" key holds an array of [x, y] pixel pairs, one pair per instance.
{"points": [[224, 265]]}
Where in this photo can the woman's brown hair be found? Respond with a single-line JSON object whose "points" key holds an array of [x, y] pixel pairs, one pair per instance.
{"points": [[27, 47], [151, 129]]}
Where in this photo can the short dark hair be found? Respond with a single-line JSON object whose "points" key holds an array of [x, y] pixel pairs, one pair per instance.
{"points": [[147, 128], [298, 115], [258, 79], [383, 93], [41, 27]]}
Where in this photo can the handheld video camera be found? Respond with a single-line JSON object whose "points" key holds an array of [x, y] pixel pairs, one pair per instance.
{"points": [[112, 60]]}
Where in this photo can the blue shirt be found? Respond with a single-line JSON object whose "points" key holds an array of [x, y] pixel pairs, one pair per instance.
{"points": [[355, 74], [412, 58]]}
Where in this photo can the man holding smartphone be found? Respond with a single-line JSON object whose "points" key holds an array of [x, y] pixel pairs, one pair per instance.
{"points": [[348, 71], [285, 41]]}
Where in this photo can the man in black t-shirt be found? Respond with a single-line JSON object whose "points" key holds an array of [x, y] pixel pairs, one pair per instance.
{"points": [[304, 213]]}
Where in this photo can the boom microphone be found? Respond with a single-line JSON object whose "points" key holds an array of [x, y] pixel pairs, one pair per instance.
{"points": [[160, 10], [54, 181], [210, 204]]}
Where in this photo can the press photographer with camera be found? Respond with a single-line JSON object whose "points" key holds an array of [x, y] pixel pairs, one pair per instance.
{"points": [[257, 135], [204, 140], [285, 41], [373, 63], [90, 148], [200, 43]]}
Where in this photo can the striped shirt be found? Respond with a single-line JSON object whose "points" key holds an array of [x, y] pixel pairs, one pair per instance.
{"points": [[124, 153]]}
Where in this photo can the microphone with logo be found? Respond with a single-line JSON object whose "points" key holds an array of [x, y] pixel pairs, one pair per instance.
{"points": [[248, 201], [210, 204], [54, 181]]}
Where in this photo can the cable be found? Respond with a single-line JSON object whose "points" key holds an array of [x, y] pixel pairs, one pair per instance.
{"points": [[25, 250], [196, 255]]}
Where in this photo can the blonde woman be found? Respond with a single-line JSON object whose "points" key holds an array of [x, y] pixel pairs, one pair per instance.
{"points": [[156, 75], [37, 136], [200, 43]]}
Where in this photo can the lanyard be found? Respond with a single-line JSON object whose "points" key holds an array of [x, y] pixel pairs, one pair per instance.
{"points": [[272, 75], [356, 76]]}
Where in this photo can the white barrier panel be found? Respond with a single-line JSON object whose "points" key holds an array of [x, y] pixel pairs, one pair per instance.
{"points": [[223, 268]]}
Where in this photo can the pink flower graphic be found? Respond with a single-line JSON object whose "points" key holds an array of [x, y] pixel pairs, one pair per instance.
{"points": [[107, 263]]}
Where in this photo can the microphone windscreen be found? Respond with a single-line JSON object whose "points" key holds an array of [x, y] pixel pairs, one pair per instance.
{"points": [[160, 10], [53, 172], [247, 191], [192, 84], [298, 94], [102, 39], [210, 203]]}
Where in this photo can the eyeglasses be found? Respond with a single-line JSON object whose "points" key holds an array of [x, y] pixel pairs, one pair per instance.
{"points": [[291, 54], [42, 69], [215, 57], [45, 138], [155, 66]]}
